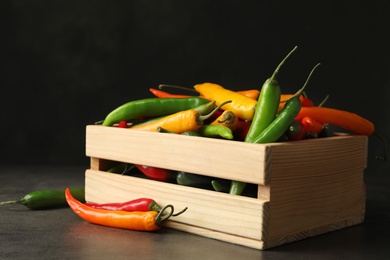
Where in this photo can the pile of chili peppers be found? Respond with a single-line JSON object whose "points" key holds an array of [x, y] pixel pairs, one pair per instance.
{"points": [[253, 116]]}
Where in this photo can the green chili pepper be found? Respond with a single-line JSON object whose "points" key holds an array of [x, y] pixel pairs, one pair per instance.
{"points": [[265, 112], [191, 133], [151, 107], [194, 180], [216, 131], [47, 199], [277, 128], [221, 185], [285, 118], [267, 104]]}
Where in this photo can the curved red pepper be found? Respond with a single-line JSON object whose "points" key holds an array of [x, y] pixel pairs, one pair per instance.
{"points": [[141, 204], [158, 174]]}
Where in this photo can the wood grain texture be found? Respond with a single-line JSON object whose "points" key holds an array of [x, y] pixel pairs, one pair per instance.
{"points": [[231, 214], [200, 155], [305, 188]]}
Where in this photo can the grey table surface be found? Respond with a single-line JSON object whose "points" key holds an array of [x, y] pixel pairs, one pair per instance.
{"points": [[61, 234]]}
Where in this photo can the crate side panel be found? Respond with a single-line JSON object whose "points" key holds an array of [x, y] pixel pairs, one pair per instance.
{"points": [[318, 156], [319, 183], [243, 241], [237, 215], [213, 157], [302, 204]]}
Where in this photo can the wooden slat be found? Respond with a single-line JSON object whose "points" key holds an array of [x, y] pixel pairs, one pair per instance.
{"points": [[231, 214], [207, 156]]}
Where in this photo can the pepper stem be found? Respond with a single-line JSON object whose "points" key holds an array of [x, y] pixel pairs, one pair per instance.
{"points": [[160, 217], [180, 212], [299, 92], [281, 64], [11, 202], [161, 86], [205, 117]]}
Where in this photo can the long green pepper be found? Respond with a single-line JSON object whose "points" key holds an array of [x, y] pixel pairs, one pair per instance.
{"points": [[47, 199], [267, 104], [265, 112], [285, 118], [151, 107]]}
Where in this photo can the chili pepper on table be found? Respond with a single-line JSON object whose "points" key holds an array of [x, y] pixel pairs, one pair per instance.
{"points": [[183, 121], [341, 118], [140, 204], [216, 131], [267, 104], [46, 199], [151, 107], [136, 220]]}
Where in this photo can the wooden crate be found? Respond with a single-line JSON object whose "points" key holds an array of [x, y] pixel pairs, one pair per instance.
{"points": [[305, 188]]}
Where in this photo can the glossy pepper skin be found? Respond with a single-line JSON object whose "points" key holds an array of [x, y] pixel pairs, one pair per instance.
{"points": [[241, 106], [216, 131], [155, 173], [140, 204], [151, 107], [194, 180], [47, 199], [267, 104], [137, 220]]}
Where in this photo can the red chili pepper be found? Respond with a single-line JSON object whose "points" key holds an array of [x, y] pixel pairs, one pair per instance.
{"points": [[296, 131], [141, 204], [241, 130], [137, 220], [311, 125], [162, 94], [122, 124], [306, 102], [155, 173]]}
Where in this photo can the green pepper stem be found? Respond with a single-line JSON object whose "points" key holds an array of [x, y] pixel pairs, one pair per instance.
{"points": [[323, 101], [299, 92], [160, 217], [161, 86], [281, 64], [180, 212], [11, 202], [205, 117]]}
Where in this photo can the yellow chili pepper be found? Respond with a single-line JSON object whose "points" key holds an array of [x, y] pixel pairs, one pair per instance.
{"points": [[242, 106], [180, 122]]}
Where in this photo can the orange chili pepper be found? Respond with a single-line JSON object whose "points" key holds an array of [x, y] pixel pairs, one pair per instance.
{"points": [[250, 93], [228, 119], [164, 94], [136, 220], [344, 119]]}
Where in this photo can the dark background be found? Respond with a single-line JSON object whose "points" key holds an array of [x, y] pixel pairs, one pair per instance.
{"points": [[66, 64]]}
